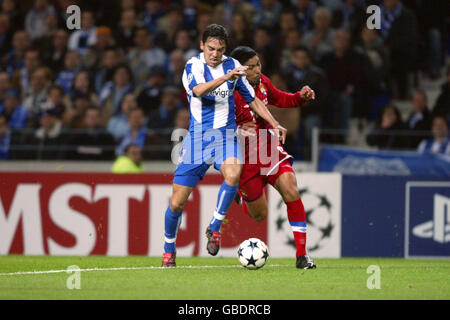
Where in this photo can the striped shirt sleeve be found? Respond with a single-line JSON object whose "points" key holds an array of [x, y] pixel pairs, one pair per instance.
{"points": [[193, 75]]}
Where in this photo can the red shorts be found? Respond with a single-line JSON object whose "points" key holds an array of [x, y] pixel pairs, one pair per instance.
{"points": [[253, 182]]}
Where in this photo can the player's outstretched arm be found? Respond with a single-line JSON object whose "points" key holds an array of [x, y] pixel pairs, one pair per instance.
{"points": [[204, 88], [282, 99], [260, 109]]}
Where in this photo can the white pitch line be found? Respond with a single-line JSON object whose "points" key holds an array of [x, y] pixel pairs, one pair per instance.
{"points": [[125, 268]]}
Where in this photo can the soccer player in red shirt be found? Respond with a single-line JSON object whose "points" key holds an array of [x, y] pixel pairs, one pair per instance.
{"points": [[279, 174]]}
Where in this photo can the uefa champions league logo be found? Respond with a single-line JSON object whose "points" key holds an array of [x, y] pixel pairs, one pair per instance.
{"points": [[318, 219]]}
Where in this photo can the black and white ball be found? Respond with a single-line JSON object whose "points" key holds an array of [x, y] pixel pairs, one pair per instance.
{"points": [[253, 253]]}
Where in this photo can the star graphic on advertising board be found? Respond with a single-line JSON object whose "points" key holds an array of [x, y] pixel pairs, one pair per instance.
{"points": [[326, 232], [279, 222], [251, 261], [324, 202]]}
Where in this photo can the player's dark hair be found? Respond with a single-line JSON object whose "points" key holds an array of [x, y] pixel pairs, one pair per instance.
{"points": [[243, 54], [215, 31]]}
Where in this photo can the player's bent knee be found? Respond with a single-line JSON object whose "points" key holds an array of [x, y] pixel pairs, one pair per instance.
{"points": [[176, 205], [291, 194], [260, 216]]}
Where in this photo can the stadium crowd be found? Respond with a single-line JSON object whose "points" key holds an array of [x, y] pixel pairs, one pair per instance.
{"points": [[90, 94]]}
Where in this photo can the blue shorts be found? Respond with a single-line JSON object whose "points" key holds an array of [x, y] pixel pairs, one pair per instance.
{"points": [[199, 153]]}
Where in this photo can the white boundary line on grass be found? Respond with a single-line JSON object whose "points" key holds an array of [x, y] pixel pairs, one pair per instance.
{"points": [[127, 268]]}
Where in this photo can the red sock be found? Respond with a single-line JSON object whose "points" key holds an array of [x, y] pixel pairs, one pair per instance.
{"points": [[297, 220]]}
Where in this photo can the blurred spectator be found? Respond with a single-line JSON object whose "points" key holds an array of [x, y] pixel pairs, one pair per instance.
{"points": [[164, 116], [44, 143], [74, 115], [268, 14], [12, 109], [419, 118], [5, 85], [399, 30], [288, 21], [81, 40], [371, 47], [5, 33], [72, 66], [349, 15], [152, 13], [5, 138], [182, 119], [346, 73], [433, 27], [241, 33], [82, 84], [144, 55], [55, 53], [320, 39], [35, 19], [105, 70], [442, 105], [93, 143], [304, 10], [55, 99], [440, 143], [223, 12], [191, 9], [304, 73], [113, 92], [10, 7], [387, 134], [22, 78], [168, 25], [137, 134], [183, 42], [130, 161], [124, 34], [40, 82], [262, 43], [176, 68], [292, 41], [118, 125], [94, 54], [13, 61], [204, 19], [149, 98]]}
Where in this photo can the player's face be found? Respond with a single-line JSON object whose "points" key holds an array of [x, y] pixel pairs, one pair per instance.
{"points": [[254, 70], [213, 49]]}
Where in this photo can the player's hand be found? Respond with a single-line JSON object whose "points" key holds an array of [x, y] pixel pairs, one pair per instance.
{"points": [[306, 93], [236, 73], [247, 129], [280, 132]]}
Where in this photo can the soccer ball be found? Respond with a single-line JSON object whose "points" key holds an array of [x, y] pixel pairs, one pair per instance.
{"points": [[253, 253]]}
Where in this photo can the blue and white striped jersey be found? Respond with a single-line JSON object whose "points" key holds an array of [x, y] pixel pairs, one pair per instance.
{"points": [[216, 109]]}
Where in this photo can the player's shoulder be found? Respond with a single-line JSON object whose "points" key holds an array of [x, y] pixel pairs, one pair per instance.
{"points": [[195, 60], [232, 62], [265, 79]]}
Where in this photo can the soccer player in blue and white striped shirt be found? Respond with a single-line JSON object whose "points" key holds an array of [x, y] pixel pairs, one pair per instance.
{"points": [[210, 80]]}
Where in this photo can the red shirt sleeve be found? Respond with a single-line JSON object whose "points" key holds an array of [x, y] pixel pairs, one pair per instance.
{"points": [[243, 111], [281, 99]]}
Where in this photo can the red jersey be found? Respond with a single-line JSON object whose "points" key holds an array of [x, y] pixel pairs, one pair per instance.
{"points": [[268, 94]]}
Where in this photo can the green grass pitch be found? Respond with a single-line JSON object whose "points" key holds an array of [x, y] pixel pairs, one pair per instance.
{"points": [[221, 278]]}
